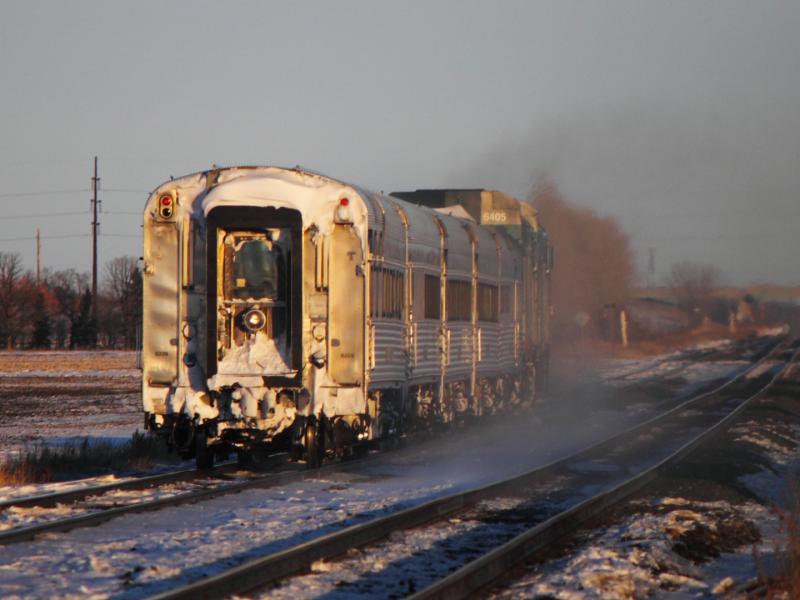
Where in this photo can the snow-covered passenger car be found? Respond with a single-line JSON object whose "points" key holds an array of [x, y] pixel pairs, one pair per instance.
{"points": [[285, 309]]}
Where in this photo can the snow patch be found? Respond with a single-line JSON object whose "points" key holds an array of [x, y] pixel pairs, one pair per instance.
{"points": [[259, 354], [638, 558]]}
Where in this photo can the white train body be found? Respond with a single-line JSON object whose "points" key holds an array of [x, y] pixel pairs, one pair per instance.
{"points": [[282, 307]]}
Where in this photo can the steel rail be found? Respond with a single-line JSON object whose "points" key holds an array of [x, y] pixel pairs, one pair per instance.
{"points": [[19, 534], [273, 567], [781, 344], [650, 367], [134, 483], [137, 483], [680, 357], [481, 572]]}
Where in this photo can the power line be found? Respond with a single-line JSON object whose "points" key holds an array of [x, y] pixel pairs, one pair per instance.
{"points": [[43, 193], [69, 236], [42, 215], [718, 237], [65, 214], [46, 237], [71, 191]]}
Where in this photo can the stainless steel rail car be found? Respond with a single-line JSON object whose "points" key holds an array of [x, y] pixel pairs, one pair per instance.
{"points": [[287, 309]]}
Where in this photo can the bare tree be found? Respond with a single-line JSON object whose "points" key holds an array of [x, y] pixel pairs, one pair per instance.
{"points": [[10, 276], [123, 299], [693, 285], [41, 334], [67, 288]]}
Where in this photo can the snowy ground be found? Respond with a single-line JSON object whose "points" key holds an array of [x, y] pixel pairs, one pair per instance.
{"points": [[56, 396], [695, 535], [663, 551], [142, 554]]}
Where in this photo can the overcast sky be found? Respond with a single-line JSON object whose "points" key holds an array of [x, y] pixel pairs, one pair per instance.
{"points": [[681, 119]]}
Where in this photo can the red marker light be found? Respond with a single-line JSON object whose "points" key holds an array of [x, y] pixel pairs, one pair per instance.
{"points": [[166, 208], [344, 202]]}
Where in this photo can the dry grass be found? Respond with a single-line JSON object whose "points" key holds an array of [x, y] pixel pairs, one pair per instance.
{"points": [[585, 354], [66, 360], [42, 464], [591, 350], [780, 579], [677, 341], [786, 582]]}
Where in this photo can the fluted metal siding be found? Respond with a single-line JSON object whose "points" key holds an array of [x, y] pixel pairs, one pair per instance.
{"points": [[390, 357], [460, 351], [426, 352]]}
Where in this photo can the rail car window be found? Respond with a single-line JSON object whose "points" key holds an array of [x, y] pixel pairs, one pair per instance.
{"points": [[386, 293], [433, 297], [392, 294], [254, 268], [375, 291], [459, 300], [487, 302]]}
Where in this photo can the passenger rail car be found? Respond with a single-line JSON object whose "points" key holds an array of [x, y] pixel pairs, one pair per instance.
{"points": [[286, 309]]}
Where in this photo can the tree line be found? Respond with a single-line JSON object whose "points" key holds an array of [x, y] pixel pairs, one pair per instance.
{"points": [[56, 312]]}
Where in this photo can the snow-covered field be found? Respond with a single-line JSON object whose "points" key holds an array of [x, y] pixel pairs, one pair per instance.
{"points": [[56, 396], [686, 369]]}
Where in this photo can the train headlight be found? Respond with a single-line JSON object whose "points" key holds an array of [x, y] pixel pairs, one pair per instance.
{"points": [[254, 320], [318, 359]]}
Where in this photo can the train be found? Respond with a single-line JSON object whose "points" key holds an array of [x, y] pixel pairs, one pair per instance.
{"points": [[287, 311]]}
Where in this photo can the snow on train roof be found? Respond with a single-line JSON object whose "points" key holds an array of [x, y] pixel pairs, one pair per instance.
{"points": [[315, 196]]}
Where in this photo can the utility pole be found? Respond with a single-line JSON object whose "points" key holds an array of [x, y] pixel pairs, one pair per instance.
{"points": [[95, 227], [38, 258], [651, 267]]}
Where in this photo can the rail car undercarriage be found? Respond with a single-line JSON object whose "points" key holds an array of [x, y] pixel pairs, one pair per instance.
{"points": [[392, 415]]}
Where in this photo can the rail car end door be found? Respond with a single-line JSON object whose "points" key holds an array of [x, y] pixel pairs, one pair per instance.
{"points": [[346, 307]]}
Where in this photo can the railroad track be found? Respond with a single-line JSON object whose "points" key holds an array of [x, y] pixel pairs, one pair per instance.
{"points": [[618, 467], [224, 480], [136, 483], [674, 363], [480, 573]]}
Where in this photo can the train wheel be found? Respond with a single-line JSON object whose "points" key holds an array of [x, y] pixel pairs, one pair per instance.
{"points": [[204, 456], [244, 459], [312, 445]]}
